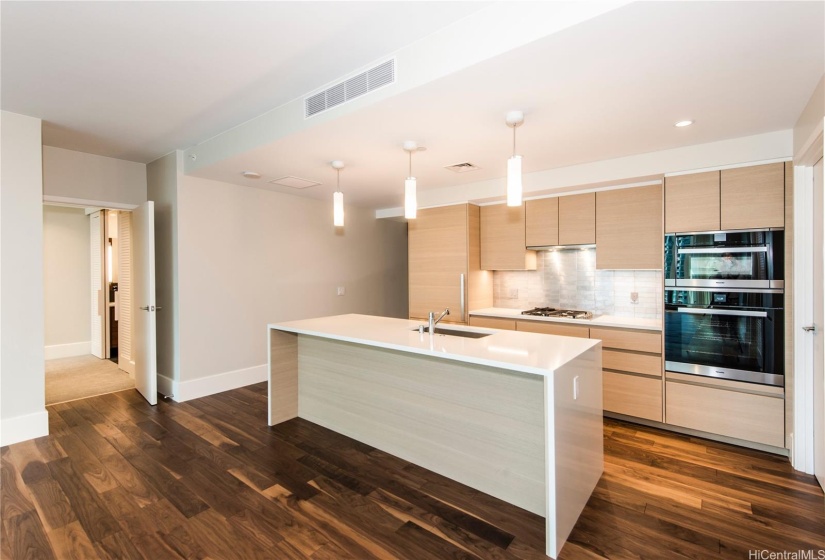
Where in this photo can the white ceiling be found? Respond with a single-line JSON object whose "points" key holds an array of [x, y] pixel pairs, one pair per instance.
{"points": [[136, 80]]}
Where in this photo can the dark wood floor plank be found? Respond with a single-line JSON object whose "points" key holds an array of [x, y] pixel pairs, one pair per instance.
{"points": [[71, 542], [86, 503], [27, 537]]}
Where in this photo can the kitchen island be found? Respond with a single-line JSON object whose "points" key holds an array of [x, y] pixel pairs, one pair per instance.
{"points": [[515, 415]]}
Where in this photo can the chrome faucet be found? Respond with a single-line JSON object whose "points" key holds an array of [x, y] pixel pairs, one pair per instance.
{"points": [[434, 321]]}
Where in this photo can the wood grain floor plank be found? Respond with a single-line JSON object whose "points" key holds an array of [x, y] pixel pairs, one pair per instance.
{"points": [[27, 537], [71, 542]]}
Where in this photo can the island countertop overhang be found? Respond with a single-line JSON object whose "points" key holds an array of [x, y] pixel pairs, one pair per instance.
{"points": [[532, 353]]}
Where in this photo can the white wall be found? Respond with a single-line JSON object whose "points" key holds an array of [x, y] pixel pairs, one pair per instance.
{"points": [[98, 180], [66, 263], [22, 378], [249, 257], [809, 125], [162, 188]]}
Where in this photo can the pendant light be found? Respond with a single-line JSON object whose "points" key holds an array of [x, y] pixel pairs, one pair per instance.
{"points": [[514, 189], [338, 196], [410, 198]]}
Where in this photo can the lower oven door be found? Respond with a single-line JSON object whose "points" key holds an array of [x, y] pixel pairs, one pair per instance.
{"points": [[744, 345]]}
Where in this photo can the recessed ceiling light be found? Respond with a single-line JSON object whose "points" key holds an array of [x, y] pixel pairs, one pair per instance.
{"points": [[251, 175], [681, 124]]}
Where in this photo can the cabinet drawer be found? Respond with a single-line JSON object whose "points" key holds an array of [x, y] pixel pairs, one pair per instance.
{"points": [[493, 323], [553, 328], [632, 395], [756, 418], [629, 340], [636, 363]]}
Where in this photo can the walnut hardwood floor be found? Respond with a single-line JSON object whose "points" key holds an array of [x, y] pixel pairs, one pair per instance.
{"points": [[118, 478]]}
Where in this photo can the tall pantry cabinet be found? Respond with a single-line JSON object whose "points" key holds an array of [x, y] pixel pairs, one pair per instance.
{"points": [[444, 263]]}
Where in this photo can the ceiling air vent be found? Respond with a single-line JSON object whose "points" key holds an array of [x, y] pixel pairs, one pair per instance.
{"points": [[463, 167], [294, 182], [365, 82]]}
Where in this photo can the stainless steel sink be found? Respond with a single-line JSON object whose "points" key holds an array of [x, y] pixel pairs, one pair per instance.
{"points": [[455, 332]]}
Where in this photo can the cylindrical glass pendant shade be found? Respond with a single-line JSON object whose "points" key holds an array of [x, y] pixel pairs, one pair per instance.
{"points": [[514, 181], [338, 209], [410, 200]]}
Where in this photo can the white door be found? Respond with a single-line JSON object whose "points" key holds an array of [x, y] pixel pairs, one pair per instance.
{"points": [[98, 327], [819, 333], [144, 343]]}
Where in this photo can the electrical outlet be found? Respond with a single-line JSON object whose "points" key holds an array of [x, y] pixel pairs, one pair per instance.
{"points": [[341, 290], [634, 297], [513, 293]]}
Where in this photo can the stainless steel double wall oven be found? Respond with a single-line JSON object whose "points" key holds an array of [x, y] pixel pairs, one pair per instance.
{"points": [[724, 305]]}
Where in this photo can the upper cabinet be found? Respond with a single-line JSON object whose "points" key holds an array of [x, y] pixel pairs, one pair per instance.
{"points": [[503, 239], [577, 219], [542, 216], [444, 263], [753, 197], [741, 198], [692, 202], [629, 228], [566, 220]]}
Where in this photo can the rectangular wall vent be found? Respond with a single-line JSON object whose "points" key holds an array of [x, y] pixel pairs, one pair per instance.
{"points": [[294, 182], [365, 82]]}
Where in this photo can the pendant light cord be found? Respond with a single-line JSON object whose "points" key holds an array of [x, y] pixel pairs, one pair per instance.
{"points": [[338, 180], [410, 175], [514, 140]]}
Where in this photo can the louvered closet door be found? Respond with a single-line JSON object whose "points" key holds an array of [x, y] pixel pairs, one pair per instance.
{"points": [[98, 333], [125, 361]]}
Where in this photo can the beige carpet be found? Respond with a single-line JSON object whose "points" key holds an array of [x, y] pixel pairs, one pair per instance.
{"points": [[69, 379]]}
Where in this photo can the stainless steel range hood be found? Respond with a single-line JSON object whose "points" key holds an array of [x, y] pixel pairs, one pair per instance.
{"points": [[583, 247]]}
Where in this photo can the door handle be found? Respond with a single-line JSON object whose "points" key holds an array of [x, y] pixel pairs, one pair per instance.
{"points": [[809, 328], [145, 308], [158, 308]]}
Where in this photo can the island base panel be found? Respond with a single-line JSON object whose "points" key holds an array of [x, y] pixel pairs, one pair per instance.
{"points": [[283, 376], [481, 426], [575, 428]]}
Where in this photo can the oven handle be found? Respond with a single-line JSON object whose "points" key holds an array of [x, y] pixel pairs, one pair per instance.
{"points": [[720, 250], [733, 312]]}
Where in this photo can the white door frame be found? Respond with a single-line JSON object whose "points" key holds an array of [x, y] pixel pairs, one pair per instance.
{"points": [[802, 449]]}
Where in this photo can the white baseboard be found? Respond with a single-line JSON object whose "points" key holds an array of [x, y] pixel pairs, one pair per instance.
{"points": [[68, 350], [182, 391], [25, 427]]}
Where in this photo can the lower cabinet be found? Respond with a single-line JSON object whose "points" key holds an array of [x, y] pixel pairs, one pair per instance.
{"points": [[632, 395], [493, 323], [632, 372], [728, 408], [553, 328]]}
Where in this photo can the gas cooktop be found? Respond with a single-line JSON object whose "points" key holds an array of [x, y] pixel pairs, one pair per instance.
{"points": [[561, 313]]}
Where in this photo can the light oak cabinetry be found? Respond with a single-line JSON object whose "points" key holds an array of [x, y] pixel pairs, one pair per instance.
{"points": [[753, 197], [629, 228], [577, 219], [566, 220], [692, 202], [503, 239], [741, 198], [542, 222], [632, 380], [493, 323], [730, 408], [444, 253], [559, 329]]}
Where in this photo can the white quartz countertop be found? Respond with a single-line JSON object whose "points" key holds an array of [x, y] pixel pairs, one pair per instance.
{"points": [[533, 353], [598, 321]]}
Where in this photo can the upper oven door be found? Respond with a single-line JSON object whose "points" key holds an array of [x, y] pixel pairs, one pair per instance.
{"points": [[724, 260]]}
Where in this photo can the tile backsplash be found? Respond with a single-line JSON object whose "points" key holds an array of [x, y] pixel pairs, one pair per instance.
{"points": [[569, 280]]}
